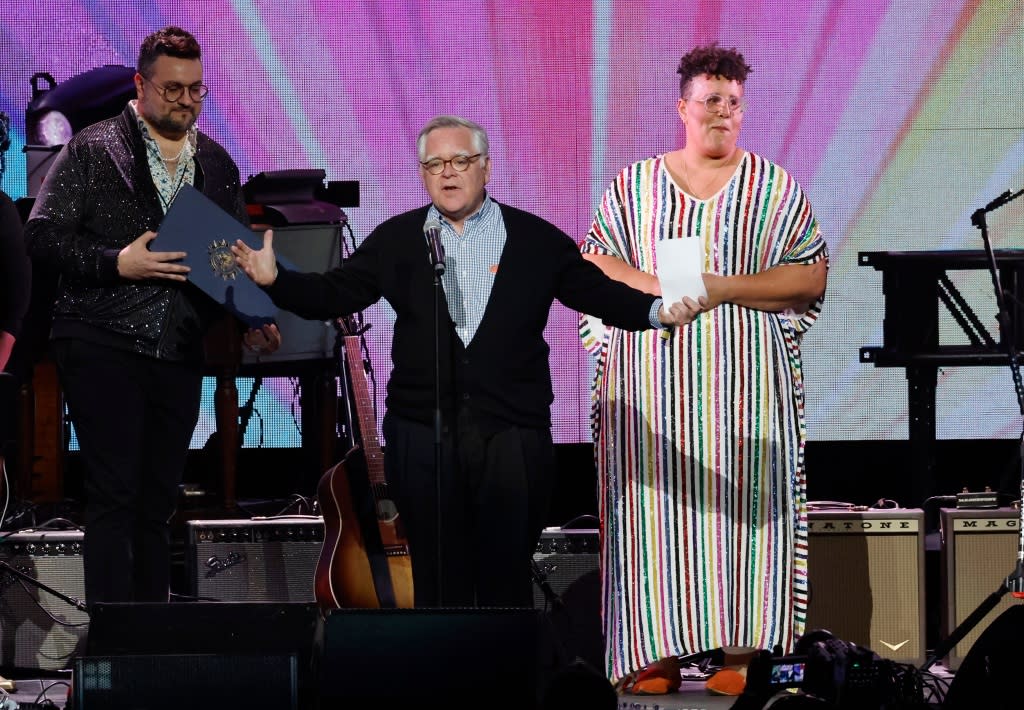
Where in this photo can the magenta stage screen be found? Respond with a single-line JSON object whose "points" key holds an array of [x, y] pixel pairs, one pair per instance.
{"points": [[899, 119]]}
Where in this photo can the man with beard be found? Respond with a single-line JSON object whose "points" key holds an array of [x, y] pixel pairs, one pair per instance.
{"points": [[127, 334]]}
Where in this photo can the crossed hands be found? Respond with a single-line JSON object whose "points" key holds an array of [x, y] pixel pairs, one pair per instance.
{"points": [[681, 312]]}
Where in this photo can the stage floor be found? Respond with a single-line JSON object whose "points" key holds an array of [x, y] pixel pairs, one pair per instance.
{"points": [[692, 695], [32, 694]]}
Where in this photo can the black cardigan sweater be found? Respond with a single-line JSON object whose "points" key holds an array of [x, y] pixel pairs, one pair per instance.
{"points": [[503, 373]]}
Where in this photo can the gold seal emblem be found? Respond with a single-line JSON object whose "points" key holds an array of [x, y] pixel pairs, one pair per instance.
{"points": [[222, 261]]}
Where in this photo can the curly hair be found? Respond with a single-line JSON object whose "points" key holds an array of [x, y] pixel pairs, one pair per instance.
{"points": [[170, 41], [711, 60]]}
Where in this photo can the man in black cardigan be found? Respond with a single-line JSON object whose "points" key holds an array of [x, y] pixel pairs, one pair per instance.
{"points": [[505, 268]]}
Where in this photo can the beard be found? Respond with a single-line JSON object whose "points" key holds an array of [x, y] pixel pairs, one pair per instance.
{"points": [[175, 123]]}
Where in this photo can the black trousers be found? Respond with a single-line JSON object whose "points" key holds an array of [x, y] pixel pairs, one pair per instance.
{"points": [[134, 417], [495, 492]]}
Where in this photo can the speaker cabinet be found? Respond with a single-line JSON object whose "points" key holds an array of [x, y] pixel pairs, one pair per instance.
{"points": [[254, 560], [866, 578], [38, 159], [568, 587], [989, 676], [562, 558], [38, 630], [172, 682], [391, 659], [315, 248], [979, 550], [198, 654]]}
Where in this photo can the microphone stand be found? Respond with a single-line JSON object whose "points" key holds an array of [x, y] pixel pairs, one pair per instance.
{"points": [[9, 685], [439, 267], [1014, 582], [77, 603]]}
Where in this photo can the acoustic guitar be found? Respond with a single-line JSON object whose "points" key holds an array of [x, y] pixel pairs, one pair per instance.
{"points": [[365, 561]]}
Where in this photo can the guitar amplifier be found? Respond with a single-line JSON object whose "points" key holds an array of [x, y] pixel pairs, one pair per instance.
{"points": [[37, 629], [979, 550], [254, 560], [564, 558], [865, 573], [566, 566]]}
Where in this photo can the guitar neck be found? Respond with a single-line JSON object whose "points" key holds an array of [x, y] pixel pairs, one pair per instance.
{"points": [[364, 411]]}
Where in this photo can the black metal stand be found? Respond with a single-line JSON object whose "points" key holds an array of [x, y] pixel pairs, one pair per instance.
{"points": [[78, 604], [438, 442], [1014, 582], [247, 410]]}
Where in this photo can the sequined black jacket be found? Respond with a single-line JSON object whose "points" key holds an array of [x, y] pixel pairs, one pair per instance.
{"points": [[97, 198]]}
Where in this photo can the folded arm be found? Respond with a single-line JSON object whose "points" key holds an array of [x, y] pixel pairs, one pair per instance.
{"points": [[779, 288]]}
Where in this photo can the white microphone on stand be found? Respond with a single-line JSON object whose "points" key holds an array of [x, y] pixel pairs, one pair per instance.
{"points": [[435, 249]]}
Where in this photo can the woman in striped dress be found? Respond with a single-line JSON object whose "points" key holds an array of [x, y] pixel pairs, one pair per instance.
{"points": [[699, 432]]}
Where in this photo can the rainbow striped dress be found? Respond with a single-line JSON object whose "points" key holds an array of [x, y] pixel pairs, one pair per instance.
{"points": [[699, 437]]}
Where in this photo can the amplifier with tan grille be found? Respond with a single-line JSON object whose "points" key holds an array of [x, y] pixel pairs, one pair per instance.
{"points": [[258, 560], [38, 629], [979, 550], [866, 575]]}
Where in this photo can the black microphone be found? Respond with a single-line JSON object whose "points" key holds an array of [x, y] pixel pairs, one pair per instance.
{"points": [[435, 249]]}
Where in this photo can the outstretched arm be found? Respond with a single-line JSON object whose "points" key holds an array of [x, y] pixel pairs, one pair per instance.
{"points": [[259, 264], [619, 270]]}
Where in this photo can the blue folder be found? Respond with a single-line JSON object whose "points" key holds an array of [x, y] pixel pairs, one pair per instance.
{"points": [[197, 226]]}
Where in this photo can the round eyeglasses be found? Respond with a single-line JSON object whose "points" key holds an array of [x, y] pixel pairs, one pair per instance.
{"points": [[435, 166], [722, 106], [172, 92]]}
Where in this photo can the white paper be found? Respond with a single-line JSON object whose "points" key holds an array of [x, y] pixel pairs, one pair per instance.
{"points": [[680, 264]]}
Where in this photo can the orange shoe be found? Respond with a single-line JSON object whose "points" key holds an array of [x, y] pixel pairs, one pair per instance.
{"points": [[728, 681], [658, 678]]}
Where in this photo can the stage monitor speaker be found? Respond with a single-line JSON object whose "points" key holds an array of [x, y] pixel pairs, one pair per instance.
{"points": [[315, 248], [173, 682], [454, 658], [979, 550], [241, 560], [989, 676], [37, 629], [866, 579], [136, 638]]}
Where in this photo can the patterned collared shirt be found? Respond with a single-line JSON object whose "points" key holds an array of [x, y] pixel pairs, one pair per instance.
{"points": [[167, 185], [471, 263]]}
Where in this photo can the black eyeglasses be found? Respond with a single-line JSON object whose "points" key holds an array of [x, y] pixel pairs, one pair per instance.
{"points": [[718, 104], [173, 92], [435, 166]]}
